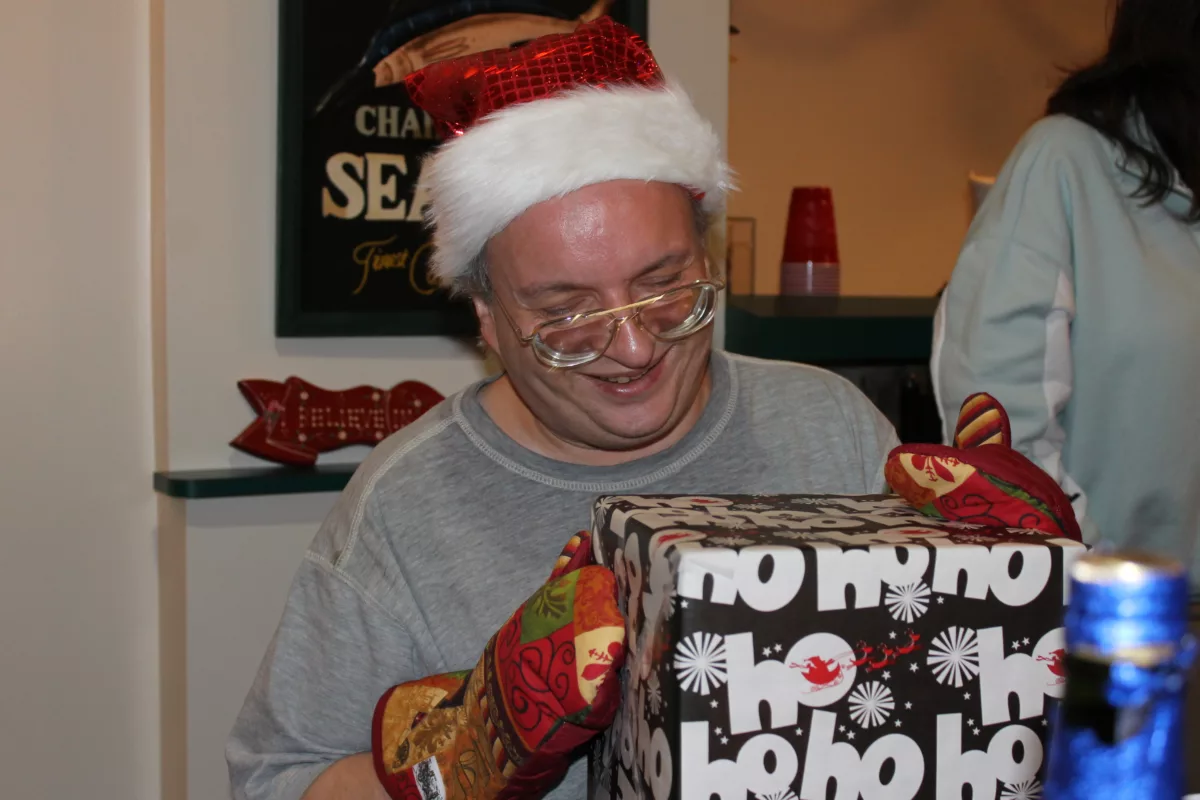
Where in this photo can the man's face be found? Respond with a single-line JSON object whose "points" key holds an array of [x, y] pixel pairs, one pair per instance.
{"points": [[601, 247]]}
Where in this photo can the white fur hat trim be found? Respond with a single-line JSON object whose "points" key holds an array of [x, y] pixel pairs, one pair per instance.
{"points": [[531, 152]]}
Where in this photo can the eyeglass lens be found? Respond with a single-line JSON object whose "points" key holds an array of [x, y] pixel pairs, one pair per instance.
{"points": [[674, 316]]}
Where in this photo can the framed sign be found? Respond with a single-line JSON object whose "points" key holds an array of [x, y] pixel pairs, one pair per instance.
{"points": [[352, 247]]}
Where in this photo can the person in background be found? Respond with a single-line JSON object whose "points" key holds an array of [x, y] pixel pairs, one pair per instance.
{"points": [[575, 220], [1075, 300]]}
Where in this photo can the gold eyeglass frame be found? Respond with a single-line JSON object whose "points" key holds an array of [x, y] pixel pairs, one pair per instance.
{"points": [[547, 356]]}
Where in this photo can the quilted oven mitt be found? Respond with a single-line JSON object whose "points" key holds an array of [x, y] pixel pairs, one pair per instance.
{"points": [[547, 683], [981, 479]]}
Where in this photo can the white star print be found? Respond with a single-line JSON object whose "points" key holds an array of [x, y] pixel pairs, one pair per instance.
{"points": [[897, 723], [799, 731], [1043, 722], [713, 704], [1016, 645], [766, 652], [850, 735], [975, 731], [683, 603], [970, 724], [966, 695], [717, 731], [725, 739], [1025, 640], [908, 706], [912, 667], [891, 634], [778, 648], [886, 675], [842, 728], [941, 600]]}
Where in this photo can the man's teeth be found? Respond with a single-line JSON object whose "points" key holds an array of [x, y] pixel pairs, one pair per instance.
{"points": [[623, 379]]}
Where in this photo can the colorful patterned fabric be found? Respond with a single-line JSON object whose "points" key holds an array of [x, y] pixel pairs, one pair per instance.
{"points": [[547, 683], [981, 480], [982, 420]]}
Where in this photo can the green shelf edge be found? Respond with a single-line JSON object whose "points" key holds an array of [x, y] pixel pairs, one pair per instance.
{"points": [[204, 484], [831, 330]]}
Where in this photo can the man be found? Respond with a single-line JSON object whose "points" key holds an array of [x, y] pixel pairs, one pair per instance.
{"points": [[548, 209]]}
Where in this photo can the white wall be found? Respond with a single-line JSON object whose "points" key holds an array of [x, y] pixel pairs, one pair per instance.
{"points": [[236, 557], [891, 104], [78, 601], [690, 40], [220, 225]]}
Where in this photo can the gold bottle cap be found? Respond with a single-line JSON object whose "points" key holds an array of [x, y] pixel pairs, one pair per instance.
{"points": [[1130, 569], [1124, 567]]}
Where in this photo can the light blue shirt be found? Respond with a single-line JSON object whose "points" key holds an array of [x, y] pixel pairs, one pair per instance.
{"points": [[1078, 308]]}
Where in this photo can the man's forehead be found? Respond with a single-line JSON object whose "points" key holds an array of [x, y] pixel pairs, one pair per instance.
{"points": [[600, 236], [671, 261]]}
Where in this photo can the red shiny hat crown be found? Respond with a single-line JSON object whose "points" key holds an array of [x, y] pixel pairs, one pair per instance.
{"points": [[460, 92]]}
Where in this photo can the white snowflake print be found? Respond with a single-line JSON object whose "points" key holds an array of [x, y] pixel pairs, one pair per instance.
{"points": [[974, 538], [605, 779], [962, 526], [654, 695], [954, 656], [909, 602], [731, 541], [804, 536], [1025, 790], [871, 704], [700, 662], [670, 596], [753, 507], [786, 794]]}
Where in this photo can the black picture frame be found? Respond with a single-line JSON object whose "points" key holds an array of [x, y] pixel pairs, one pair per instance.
{"points": [[322, 268]]}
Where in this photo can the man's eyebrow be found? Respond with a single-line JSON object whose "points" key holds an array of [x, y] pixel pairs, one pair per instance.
{"points": [[530, 293]]}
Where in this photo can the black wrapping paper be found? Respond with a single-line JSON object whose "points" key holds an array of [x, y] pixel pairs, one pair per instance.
{"points": [[787, 647]]}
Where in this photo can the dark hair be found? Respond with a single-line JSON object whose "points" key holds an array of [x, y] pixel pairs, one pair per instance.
{"points": [[1153, 65]]}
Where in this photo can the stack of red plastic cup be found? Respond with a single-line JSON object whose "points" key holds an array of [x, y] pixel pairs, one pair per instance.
{"points": [[811, 265]]}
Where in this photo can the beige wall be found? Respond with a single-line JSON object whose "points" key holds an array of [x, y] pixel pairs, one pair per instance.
{"points": [[891, 103], [78, 602]]}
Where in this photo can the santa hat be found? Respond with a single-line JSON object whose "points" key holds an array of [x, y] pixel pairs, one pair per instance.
{"points": [[562, 112]]}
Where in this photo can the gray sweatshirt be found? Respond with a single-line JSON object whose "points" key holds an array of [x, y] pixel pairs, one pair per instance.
{"points": [[449, 525]]}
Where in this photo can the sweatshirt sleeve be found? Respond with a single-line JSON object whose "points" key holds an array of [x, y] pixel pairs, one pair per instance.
{"points": [[1003, 325], [335, 651], [870, 436]]}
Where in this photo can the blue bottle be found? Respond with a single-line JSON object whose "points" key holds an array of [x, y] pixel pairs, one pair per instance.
{"points": [[1118, 732]]}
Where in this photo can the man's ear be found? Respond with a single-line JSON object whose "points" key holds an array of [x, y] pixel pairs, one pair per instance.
{"points": [[487, 322]]}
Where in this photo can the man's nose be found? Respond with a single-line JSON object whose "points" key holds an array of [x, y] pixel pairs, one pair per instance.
{"points": [[632, 347]]}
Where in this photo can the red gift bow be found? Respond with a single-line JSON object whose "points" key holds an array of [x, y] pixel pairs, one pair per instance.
{"points": [[298, 420]]}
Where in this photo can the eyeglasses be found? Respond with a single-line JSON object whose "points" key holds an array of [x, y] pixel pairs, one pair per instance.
{"points": [[582, 338]]}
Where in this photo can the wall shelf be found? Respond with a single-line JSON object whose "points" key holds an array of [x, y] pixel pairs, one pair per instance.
{"points": [[831, 330], [813, 330], [202, 484]]}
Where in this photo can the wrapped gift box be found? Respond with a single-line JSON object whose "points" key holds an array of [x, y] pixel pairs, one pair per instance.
{"points": [[784, 645]]}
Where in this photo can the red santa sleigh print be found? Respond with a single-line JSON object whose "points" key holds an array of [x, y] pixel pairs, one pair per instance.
{"points": [[1054, 663], [821, 673], [824, 666], [883, 656], [824, 673]]}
